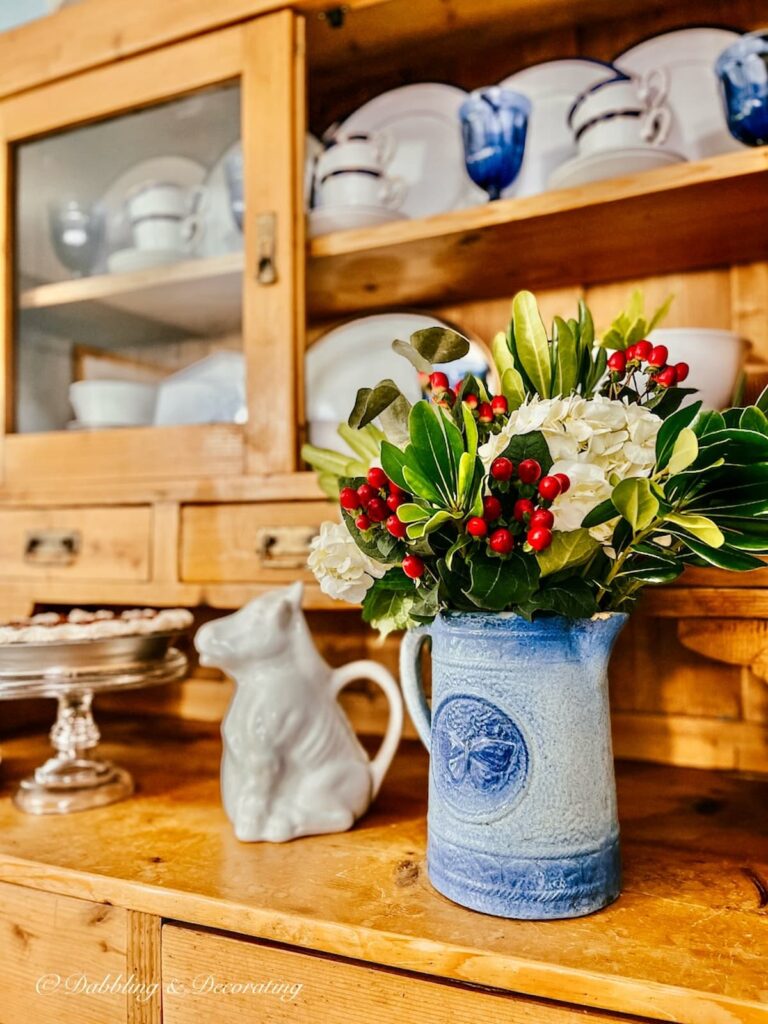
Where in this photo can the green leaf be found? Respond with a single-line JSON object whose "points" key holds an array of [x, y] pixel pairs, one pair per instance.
{"points": [[393, 462], [407, 351], [529, 446], [513, 388], [436, 444], [586, 327], [566, 362], [462, 542], [387, 605], [467, 475], [370, 402], [595, 370], [572, 597], [439, 344], [723, 557], [684, 451], [326, 461], [636, 502], [661, 312], [531, 342], [600, 514], [566, 551], [470, 429], [497, 583], [707, 422], [394, 420], [411, 513], [436, 521], [762, 402], [651, 570], [502, 356], [699, 526], [418, 483], [365, 442], [670, 429], [754, 418], [664, 404]]}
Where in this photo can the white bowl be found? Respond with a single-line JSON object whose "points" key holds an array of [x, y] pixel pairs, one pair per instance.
{"points": [[716, 359], [113, 403]]}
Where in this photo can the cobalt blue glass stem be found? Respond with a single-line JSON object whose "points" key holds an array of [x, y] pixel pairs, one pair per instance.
{"points": [[494, 125], [743, 72]]}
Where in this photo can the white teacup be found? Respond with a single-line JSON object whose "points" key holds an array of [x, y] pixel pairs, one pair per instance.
{"points": [[622, 113], [361, 188], [352, 151], [163, 215]]}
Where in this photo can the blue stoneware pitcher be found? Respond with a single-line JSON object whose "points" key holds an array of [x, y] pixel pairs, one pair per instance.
{"points": [[522, 801]]}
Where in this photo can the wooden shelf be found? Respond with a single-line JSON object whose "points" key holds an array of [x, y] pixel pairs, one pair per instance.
{"points": [[684, 217], [694, 854], [201, 296]]}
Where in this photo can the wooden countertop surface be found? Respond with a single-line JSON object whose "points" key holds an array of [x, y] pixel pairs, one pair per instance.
{"points": [[687, 940]]}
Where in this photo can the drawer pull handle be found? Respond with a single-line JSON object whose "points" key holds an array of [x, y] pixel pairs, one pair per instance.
{"points": [[284, 547], [52, 547]]}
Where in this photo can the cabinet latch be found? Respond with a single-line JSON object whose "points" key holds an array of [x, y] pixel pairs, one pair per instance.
{"points": [[266, 235]]}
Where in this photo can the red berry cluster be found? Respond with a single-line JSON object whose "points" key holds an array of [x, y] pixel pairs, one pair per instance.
{"points": [[522, 502], [661, 373], [374, 505], [487, 412], [375, 501]]}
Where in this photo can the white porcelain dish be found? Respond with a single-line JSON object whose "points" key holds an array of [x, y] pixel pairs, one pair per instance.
{"points": [[552, 88], [716, 358], [211, 390], [611, 163], [325, 219], [423, 120], [113, 403], [219, 232], [125, 261], [359, 354], [177, 169], [313, 149], [688, 57]]}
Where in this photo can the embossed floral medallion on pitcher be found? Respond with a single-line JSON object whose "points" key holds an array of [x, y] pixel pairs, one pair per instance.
{"points": [[522, 804], [516, 531]]}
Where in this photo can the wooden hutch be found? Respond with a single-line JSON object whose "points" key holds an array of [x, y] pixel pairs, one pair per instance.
{"points": [[205, 515]]}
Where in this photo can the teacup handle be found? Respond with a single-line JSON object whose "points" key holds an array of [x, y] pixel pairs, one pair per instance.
{"points": [[192, 225], [392, 192], [385, 147], [656, 125], [373, 670], [413, 684], [652, 87]]}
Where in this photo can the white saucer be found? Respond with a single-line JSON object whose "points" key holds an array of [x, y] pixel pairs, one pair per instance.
{"points": [[126, 260], [611, 163], [343, 218]]}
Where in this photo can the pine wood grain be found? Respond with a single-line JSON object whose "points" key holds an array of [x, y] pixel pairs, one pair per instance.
{"points": [[601, 230], [144, 961], [311, 988], [695, 857], [66, 942], [114, 543]]}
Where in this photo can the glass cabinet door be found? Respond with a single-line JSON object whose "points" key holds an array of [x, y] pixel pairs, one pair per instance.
{"points": [[129, 268]]}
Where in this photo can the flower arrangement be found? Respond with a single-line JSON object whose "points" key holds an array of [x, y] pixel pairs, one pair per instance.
{"points": [[582, 481]]}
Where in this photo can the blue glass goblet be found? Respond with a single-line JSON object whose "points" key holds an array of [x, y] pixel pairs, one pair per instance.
{"points": [[743, 73], [494, 124]]}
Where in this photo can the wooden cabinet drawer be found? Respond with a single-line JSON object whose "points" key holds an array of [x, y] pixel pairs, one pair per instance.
{"points": [[76, 543], [54, 952], [252, 542], [207, 977]]}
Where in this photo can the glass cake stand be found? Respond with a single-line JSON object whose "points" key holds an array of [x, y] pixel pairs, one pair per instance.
{"points": [[73, 672]]}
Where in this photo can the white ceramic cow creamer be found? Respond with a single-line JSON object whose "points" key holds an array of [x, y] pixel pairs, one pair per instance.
{"points": [[292, 765]]}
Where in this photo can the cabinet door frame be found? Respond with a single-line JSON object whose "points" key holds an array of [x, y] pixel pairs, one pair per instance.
{"points": [[266, 56]]}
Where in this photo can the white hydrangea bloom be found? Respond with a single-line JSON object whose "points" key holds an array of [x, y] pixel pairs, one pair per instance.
{"points": [[591, 441], [343, 571]]}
